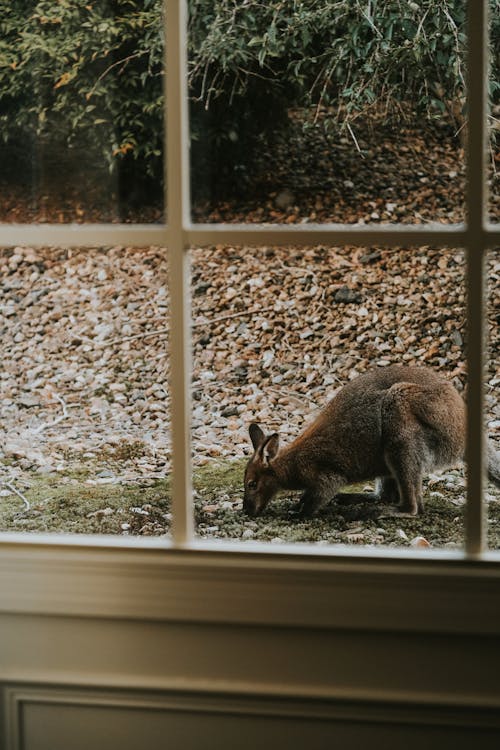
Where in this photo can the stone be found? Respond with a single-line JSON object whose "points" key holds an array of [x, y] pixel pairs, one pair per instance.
{"points": [[344, 295]]}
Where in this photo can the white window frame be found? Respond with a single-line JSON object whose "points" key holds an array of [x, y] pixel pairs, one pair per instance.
{"points": [[32, 576]]}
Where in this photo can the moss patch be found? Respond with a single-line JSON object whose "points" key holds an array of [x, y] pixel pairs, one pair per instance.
{"points": [[72, 504], [84, 501], [223, 475]]}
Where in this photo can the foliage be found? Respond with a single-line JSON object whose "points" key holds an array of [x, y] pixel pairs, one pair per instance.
{"points": [[251, 60], [89, 72], [85, 73], [353, 55]]}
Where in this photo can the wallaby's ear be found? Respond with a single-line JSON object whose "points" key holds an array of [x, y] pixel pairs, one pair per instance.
{"points": [[256, 436], [271, 446]]}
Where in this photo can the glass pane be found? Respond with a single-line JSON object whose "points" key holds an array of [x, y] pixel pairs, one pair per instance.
{"points": [[277, 331], [327, 112], [81, 111], [493, 401], [494, 117], [84, 442]]}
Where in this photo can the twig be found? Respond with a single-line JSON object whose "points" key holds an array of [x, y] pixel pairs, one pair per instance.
{"points": [[16, 491], [64, 415], [492, 156], [291, 396], [230, 316], [144, 335], [355, 140], [124, 61], [162, 331], [462, 126], [370, 21]]}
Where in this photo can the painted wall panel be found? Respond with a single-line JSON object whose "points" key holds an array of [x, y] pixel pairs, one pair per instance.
{"points": [[60, 726], [316, 662]]}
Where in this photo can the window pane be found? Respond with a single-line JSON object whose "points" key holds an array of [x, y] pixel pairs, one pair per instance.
{"points": [[83, 391], [327, 112], [81, 111], [276, 332], [493, 400], [494, 118]]}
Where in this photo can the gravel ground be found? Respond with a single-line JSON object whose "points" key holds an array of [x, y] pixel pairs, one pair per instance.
{"points": [[275, 333], [84, 385]]}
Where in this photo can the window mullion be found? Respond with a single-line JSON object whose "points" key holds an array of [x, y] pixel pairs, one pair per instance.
{"points": [[476, 198], [177, 177]]}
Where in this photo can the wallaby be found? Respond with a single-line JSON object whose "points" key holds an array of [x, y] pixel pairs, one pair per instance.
{"points": [[393, 424]]}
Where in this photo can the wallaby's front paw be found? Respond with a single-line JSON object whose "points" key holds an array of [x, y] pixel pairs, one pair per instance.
{"points": [[304, 509], [307, 506], [307, 513]]}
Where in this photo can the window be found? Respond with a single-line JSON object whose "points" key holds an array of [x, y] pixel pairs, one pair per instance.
{"points": [[476, 236]]}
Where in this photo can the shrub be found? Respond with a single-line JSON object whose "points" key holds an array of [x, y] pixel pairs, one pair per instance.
{"points": [[89, 72], [350, 55], [84, 73]]}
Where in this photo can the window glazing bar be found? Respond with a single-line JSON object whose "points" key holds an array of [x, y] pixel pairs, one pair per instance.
{"points": [[401, 235], [177, 181], [476, 197], [145, 235], [82, 235]]}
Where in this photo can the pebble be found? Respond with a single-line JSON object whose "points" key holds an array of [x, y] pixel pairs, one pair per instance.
{"points": [[420, 541]]}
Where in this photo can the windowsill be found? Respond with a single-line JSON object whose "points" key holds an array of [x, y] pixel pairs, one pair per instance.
{"points": [[224, 582]]}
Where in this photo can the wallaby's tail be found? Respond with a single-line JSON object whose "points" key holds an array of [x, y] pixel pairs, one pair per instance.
{"points": [[493, 464]]}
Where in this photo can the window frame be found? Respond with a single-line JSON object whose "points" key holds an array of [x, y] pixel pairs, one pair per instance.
{"points": [[476, 236]]}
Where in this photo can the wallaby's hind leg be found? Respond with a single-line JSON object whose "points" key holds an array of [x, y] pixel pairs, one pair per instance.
{"points": [[422, 429], [408, 472], [406, 443]]}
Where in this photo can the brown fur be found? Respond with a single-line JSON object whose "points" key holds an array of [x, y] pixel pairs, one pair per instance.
{"points": [[393, 424]]}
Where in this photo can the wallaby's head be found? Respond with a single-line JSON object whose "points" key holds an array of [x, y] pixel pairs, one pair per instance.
{"points": [[261, 482]]}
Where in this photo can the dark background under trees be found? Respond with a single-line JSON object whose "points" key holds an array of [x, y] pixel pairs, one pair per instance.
{"points": [[82, 80]]}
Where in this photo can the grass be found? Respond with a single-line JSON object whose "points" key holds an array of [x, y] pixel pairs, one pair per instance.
{"points": [[81, 501], [72, 503]]}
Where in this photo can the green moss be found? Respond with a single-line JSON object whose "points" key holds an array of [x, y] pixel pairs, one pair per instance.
{"points": [[69, 503], [79, 501], [494, 525], [222, 475]]}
